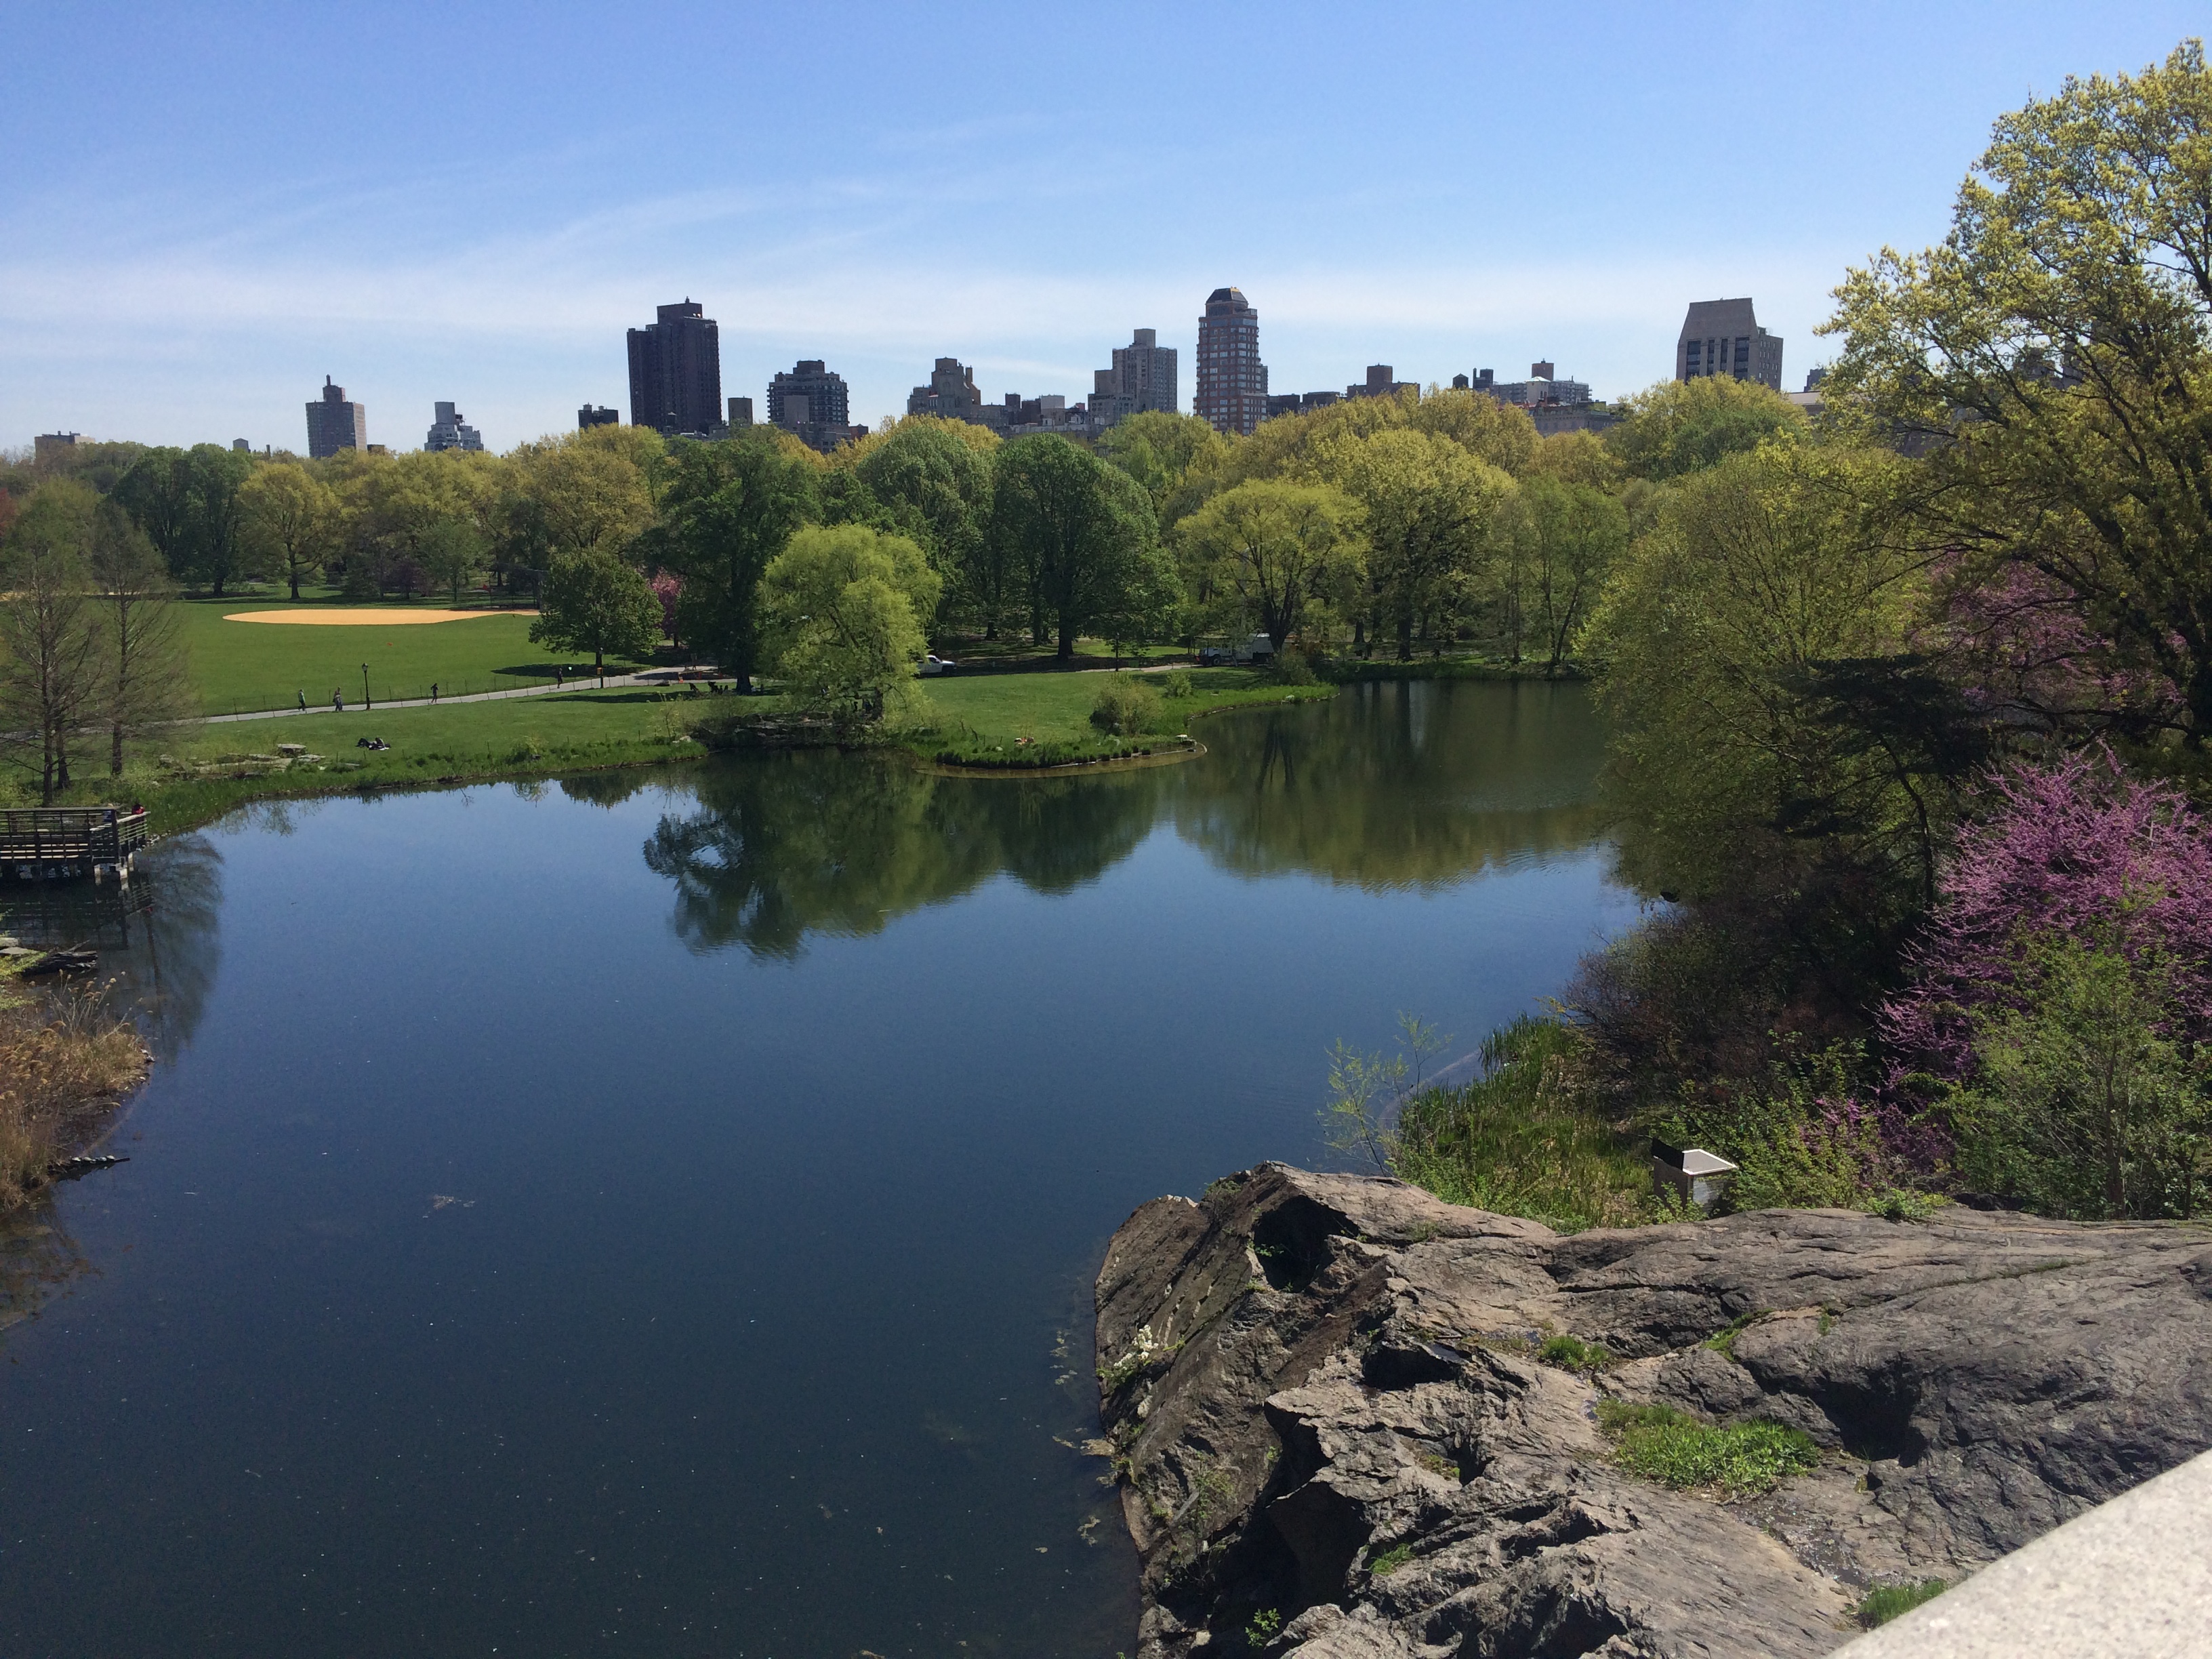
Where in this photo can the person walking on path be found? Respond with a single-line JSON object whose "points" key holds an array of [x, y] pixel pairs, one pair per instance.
{"points": [[557, 677], [303, 701], [434, 690], [337, 702]]}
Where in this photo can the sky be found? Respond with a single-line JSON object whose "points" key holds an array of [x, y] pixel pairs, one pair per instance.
{"points": [[207, 208]]}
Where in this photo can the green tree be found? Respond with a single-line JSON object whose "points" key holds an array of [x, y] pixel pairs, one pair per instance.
{"points": [[1269, 549], [1083, 533], [452, 550], [2054, 357], [1679, 427], [934, 477], [289, 519], [1760, 577], [1429, 505], [155, 489], [841, 606], [215, 553], [727, 510], [51, 666], [145, 681], [1163, 451], [2086, 1105], [595, 602], [1558, 540]]}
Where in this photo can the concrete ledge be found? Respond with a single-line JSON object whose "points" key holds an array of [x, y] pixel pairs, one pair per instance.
{"points": [[2132, 1578]]}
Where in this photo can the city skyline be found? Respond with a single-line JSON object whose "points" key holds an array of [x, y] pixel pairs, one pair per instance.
{"points": [[181, 252]]}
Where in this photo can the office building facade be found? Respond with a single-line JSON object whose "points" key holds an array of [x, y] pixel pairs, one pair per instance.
{"points": [[1232, 381], [451, 430], [741, 413], [810, 400], [676, 371], [1722, 337], [333, 423]]}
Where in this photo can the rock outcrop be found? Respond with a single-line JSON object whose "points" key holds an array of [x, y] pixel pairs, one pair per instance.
{"points": [[1325, 1400]]}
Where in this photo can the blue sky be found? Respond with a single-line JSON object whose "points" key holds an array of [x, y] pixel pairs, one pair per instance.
{"points": [[208, 208]]}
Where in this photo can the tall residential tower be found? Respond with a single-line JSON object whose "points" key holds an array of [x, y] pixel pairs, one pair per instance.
{"points": [[1232, 381], [675, 370], [1143, 377], [1722, 336], [334, 424]]}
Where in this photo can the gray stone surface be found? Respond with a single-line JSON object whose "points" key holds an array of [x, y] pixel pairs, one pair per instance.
{"points": [[2132, 1577], [1325, 1400]]}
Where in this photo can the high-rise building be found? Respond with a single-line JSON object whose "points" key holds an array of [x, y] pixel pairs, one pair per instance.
{"points": [[55, 446], [741, 413], [1143, 377], [334, 424], [951, 393], [1232, 381], [1381, 381], [597, 414], [675, 370], [1722, 336], [810, 400], [450, 431]]}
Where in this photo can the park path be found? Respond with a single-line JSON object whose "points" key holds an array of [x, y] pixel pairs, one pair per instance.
{"points": [[581, 683]]}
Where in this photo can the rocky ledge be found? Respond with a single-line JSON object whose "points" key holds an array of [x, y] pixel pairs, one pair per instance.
{"points": [[1336, 1433]]}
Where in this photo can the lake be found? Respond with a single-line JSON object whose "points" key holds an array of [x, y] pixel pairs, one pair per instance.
{"points": [[655, 1213]]}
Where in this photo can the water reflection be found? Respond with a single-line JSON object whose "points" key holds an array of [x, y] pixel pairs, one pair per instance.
{"points": [[158, 936], [1387, 787]]}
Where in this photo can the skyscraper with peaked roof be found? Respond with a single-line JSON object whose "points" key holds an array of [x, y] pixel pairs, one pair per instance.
{"points": [[1722, 337], [1232, 381], [675, 370], [334, 424]]}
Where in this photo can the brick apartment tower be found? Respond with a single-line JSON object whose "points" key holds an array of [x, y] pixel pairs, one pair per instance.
{"points": [[334, 424], [675, 370], [1232, 381], [1722, 337]]}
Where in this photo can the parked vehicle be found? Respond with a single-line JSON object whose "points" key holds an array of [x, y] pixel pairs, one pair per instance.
{"points": [[933, 664], [1257, 648]]}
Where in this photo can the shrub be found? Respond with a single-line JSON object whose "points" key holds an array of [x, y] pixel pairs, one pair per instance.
{"points": [[1292, 668], [1175, 682], [1526, 1137], [2060, 1011], [60, 1064], [1125, 707], [1676, 1450]]}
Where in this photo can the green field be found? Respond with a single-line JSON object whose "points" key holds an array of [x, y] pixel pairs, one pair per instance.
{"points": [[248, 665], [993, 711]]}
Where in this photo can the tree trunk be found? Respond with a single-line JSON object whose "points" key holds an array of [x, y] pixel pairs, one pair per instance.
{"points": [[1066, 651], [115, 750], [1405, 636]]}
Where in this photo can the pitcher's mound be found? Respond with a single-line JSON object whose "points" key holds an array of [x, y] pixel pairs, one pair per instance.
{"points": [[365, 617]]}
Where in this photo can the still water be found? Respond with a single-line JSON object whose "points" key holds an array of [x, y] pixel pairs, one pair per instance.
{"points": [[655, 1214]]}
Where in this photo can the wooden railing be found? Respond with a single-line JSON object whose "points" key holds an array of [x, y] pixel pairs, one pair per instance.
{"points": [[79, 838]]}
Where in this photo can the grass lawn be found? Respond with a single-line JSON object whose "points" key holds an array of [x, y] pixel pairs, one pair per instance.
{"points": [[251, 665], [201, 771], [982, 719]]}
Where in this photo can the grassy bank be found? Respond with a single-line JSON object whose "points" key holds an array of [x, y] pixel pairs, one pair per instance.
{"points": [[1005, 721], [63, 1065], [192, 773], [1351, 671]]}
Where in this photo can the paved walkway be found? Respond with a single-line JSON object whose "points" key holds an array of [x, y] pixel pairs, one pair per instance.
{"points": [[581, 683]]}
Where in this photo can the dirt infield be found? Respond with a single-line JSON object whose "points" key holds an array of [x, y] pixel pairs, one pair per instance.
{"points": [[365, 617]]}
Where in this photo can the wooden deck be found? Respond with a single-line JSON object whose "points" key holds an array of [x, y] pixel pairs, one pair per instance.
{"points": [[41, 843]]}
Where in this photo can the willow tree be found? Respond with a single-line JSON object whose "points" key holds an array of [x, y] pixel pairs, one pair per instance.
{"points": [[1269, 550], [2053, 356]]}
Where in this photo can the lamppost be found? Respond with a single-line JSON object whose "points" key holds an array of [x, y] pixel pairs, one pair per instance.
{"points": [[364, 702]]}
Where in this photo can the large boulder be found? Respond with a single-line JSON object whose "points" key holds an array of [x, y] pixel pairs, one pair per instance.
{"points": [[1336, 1436]]}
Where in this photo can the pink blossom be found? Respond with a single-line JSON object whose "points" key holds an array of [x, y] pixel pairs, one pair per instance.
{"points": [[2074, 848]]}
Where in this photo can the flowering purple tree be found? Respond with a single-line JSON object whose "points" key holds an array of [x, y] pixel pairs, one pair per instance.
{"points": [[2074, 850]]}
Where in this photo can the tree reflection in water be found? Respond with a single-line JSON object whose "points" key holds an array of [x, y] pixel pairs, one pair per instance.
{"points": [[1385, 786]]}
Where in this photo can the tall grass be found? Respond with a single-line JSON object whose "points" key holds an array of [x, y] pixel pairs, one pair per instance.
{"points": [[1526, 1138], [63, 1062]]}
